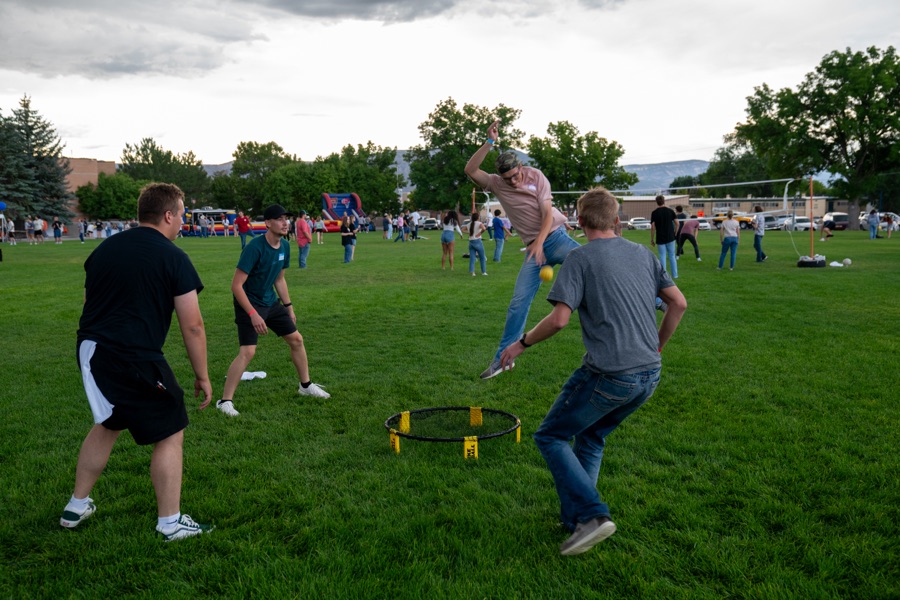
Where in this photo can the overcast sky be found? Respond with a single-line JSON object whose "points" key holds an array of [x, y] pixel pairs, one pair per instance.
{"points": [[664, 78]]}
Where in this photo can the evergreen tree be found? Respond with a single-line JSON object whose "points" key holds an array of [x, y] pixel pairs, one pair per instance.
{"points": [[15, 180], [42, 188]]}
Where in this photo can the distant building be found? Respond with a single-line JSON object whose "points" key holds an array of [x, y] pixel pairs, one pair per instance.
{"points": [[84, 171]]}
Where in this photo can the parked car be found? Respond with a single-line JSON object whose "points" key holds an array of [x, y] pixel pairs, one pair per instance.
{"points": [[638, 223], [771, 222], [799, 223], [882, 225], [841, 219], [745, 220], [780, 221], [430, 223], [704, 225]]}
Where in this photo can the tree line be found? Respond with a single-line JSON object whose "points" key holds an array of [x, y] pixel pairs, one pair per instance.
{"points": [[842, 119]]}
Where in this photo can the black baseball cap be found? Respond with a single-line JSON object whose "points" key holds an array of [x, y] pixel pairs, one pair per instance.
{"points": [[275, 211]]}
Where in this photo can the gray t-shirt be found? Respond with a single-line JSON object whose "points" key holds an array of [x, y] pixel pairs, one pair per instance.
{"points": [[613, 284]]}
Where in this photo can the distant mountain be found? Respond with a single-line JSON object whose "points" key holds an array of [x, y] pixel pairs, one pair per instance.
{"points": [[653, 177], [213, 169]]}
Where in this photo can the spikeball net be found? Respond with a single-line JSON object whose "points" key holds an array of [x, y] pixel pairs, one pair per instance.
{"points": [[461, 424]]}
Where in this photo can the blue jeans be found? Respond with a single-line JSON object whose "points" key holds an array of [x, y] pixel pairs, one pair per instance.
{"points": [[498, 248], [589, 407], [303, 253], [476, 247], [244, 237], [400, 235], [757, 245], [556, 247], [348, 252], [668, 250], [873, 232], [729, 243]]}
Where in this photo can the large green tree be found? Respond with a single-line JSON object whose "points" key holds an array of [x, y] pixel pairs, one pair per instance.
{"points": [[575, 162], [737, 162], [114, 197], [34, 171], [451, 136], [253, 163], [16, 181], [148, 161], [843, 118], [371, 172]]}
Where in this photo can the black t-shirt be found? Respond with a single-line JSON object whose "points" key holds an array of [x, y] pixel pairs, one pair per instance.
{"points": [[664, 218], [130, 286], [681, 219]]}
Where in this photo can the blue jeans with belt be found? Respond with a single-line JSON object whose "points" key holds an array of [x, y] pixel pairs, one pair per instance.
{"points": [[557, 245], [589, 407]]}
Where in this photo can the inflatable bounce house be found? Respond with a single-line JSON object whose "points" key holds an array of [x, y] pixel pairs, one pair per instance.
{"points": [[335, 206]]}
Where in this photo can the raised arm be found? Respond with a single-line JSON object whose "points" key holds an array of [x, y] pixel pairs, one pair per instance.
{"points": [[473, 167]]}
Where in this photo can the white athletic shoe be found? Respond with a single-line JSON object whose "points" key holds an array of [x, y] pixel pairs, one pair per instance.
{"points": [[227, 407], [313, 390], [71, 519], [185, 527]]}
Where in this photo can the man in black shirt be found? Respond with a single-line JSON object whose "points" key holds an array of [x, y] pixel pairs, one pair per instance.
{"points": [[133, 283], [662, 234]]}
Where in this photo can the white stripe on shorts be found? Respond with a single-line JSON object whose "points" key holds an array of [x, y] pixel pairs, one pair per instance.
{"points": [[100, 406]]}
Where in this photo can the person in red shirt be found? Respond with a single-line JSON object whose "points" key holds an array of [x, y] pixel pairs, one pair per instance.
{"points": [[243, 227], [304, 237]]}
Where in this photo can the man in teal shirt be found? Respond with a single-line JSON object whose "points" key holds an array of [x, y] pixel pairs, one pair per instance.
{"points": [[257, 286]]}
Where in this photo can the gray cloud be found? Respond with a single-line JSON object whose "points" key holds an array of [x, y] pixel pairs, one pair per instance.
{"points": [[389, 11], [107, 40]]}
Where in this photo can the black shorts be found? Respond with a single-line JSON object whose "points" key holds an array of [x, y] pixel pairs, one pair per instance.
{"points": [[276, 317], [142, 396]]}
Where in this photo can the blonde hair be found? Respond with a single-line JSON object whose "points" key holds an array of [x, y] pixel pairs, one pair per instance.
{"points": [[598, 209]]}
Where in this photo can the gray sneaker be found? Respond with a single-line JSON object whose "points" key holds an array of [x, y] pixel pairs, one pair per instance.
{"points": [[587, 535], [71, 519], [313, 390], [494, 369], [185, 527]]}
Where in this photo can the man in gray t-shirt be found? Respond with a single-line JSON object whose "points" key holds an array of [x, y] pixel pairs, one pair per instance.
{"points": [[613, 284]]}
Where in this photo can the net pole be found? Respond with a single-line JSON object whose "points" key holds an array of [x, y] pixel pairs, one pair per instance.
{"points": [[812, 231]]}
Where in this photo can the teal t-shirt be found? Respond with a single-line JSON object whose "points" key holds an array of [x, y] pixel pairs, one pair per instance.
{"points": [[262, 263]]}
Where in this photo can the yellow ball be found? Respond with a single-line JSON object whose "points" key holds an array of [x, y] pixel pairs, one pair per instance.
{"points": [[547, 273]]}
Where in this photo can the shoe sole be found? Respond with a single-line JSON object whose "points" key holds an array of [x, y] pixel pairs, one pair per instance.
{"points": [[600, 534], [498, 371], [73, 523], [233, 413]]}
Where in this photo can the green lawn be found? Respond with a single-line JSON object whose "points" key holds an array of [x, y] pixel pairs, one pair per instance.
{"points": [[764, 467]]}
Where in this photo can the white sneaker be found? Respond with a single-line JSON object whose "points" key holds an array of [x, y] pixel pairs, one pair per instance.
{"points": [[185, 527], [313, 390], [71, 519], [699, 259], [227, 407]]}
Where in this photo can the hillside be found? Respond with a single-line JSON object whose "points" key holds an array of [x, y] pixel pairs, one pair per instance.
{"points": [[653, 177]]}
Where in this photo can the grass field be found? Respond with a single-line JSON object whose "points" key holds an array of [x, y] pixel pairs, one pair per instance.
{"points": [[764, 467]]}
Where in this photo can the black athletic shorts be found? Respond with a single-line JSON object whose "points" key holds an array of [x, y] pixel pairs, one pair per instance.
{"points": [[143, 396], [277, 318]]}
